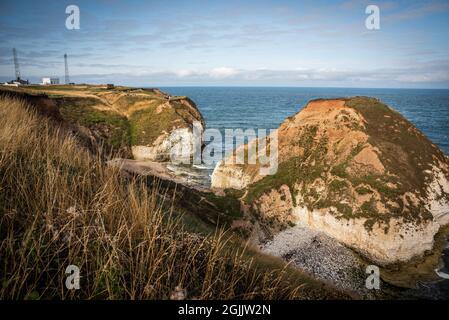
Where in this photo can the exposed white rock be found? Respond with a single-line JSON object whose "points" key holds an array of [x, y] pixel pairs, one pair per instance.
{"points": [[438, 205], [225, 177], [178, 146], [400, 242]]}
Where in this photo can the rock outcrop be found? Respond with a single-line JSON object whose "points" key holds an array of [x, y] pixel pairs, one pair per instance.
{"points": [[356, 170], [164, 131], [233, 177]]}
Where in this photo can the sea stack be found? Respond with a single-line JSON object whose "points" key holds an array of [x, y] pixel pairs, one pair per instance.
{"points": [[164, 129], [356, 170]]}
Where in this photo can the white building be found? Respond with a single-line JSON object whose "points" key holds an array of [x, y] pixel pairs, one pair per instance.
{"points": [[46, 81], [14, 84]]}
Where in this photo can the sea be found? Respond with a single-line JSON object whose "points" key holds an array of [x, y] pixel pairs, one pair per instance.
{"points": [[267, 107]]}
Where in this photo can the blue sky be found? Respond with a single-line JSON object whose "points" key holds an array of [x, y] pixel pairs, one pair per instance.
{"points": [[248, 43]]}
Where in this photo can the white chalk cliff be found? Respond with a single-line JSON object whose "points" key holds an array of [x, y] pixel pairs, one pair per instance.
{"points": [[171, 127]]}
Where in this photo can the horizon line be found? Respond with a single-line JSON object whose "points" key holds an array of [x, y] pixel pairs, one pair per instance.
{"points": [[287, 86]]}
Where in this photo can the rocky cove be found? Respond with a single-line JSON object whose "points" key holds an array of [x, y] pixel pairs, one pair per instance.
{"points": [[283, 226], [357, 184]]}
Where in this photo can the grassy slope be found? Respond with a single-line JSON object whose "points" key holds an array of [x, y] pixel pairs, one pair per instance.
{"points": [[59, 205], [408, 155], [146, 125], [114, 128]]}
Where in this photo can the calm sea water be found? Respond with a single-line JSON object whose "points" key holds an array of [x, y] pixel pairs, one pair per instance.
{"points": [[267, 108]]}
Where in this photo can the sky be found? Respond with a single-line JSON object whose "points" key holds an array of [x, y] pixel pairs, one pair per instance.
{"points": [[230, 43]]}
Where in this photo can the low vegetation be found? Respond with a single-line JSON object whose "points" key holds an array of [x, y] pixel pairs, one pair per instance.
{"points": [[112, 127], [146, 126]]}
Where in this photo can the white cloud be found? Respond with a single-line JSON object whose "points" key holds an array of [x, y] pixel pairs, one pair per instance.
{"points": [[427, 74], [431, 73], [223, 72], [184, 73]]}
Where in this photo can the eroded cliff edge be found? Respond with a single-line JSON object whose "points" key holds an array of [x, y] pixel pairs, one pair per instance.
{"points": [[354, 169]]}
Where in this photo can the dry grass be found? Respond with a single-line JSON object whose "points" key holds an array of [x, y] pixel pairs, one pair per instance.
{"points": [[60, 205]]}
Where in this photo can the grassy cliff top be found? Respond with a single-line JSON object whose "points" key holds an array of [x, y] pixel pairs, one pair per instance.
{"points": [[119, 116]]}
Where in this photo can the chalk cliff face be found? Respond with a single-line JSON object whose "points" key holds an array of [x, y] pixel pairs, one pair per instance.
{"points": [[165, 132], [358, 171], [228, 176]]}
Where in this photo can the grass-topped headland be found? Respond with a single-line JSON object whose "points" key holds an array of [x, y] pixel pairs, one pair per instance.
{"points": [[116, 117]]}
